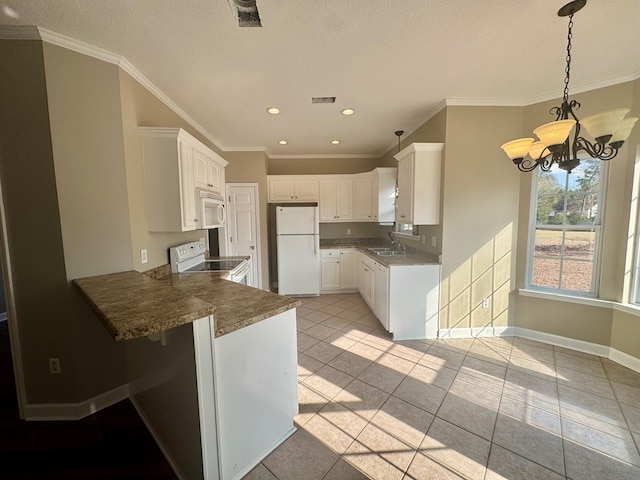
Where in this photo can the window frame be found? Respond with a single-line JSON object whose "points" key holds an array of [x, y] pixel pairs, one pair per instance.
{"points": [[598, 228]]}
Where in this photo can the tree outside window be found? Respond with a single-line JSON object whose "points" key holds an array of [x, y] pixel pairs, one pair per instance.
{"points": [[564, 247]]}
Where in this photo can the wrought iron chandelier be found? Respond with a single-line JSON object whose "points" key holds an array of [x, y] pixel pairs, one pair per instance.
{"points": [[609, 128]]}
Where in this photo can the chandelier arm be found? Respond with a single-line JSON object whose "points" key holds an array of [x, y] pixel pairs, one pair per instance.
{"points": [[597, 150], [527, 165]]}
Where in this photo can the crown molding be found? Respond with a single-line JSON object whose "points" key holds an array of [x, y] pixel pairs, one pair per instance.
{"points": [[115, 59], [19, 32], [320, 156], [432, 113]]}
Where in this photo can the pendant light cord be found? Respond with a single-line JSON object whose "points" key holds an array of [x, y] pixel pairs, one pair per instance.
{"points": [[567, 70]]}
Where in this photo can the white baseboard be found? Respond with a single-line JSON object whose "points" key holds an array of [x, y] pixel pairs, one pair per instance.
{"points": [[566, 342], [76, 411], [158, 440], [617, 356], [625, 359], [476, 332]]}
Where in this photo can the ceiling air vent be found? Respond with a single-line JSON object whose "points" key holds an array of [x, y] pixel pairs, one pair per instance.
{"points": [[323, 99], [247, 12]]}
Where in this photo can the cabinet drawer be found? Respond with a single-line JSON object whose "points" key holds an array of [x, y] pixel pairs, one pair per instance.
{"points": [[327, 253]]}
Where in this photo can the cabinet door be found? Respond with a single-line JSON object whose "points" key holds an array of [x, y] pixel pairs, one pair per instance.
{"points": [[344, 199], [306, 190], [330, 273], [201, 169], [281, 190], [381, 294], [187, 187], [348, 277], [215, 177], [404, 213], [367, 284], [327, 202], [362, 199]]}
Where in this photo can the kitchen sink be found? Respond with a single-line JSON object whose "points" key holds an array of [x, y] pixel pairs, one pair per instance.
{"points": [[385, 251]]}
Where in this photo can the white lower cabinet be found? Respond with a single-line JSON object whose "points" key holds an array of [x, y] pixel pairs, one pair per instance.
{"points": [[330, 270], [405, 298], [337, 270], [217, 406], [381, 294], [366, 280], [348, 278]]}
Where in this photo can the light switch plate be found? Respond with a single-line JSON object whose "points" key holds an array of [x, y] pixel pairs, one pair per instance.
{"points": [[143, 255]]}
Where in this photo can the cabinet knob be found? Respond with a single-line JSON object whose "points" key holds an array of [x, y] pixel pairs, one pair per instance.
{"points": [[291, 196], [252, 247]]}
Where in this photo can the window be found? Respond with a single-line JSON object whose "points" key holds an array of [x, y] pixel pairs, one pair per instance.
{"points": [[567, 214], [407, 228]]}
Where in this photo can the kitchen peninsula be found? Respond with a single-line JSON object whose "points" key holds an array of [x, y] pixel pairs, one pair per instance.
{"points": [[211, 365]]}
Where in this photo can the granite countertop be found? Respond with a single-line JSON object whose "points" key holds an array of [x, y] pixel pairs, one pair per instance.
{"points": [[413, 257], [236, 305], [133, 304]]}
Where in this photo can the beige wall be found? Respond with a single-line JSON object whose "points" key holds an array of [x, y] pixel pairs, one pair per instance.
{"points": [[141, 108], [251, 167], [358, 230], [625, 330], [86, 134], [44, 316], [479, 217], [573, 320]]}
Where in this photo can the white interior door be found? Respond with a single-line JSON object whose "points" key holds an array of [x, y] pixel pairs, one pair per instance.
{"points": [[243, 233]]}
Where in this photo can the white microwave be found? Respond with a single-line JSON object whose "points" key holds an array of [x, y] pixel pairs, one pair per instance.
{"points": [[210, 208]]}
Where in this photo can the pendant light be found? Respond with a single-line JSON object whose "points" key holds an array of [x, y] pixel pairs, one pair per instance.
{"points": [[610, 128]]}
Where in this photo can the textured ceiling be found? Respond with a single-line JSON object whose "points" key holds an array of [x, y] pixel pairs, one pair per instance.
{"points": [[393, 61]]}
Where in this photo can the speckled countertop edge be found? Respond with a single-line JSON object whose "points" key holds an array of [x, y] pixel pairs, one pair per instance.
{"points": [[131, 304]]}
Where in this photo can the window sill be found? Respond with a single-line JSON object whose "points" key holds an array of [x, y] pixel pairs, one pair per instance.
{"points": [[593, 302], [630, 308]]}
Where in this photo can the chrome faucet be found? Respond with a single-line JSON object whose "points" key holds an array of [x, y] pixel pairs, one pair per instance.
{"points": [[394, 241]]}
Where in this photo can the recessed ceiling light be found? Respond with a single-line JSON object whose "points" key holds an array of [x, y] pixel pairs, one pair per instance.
{"points": [[282, 142], [348, 111], [335, 142], [273, 110]]}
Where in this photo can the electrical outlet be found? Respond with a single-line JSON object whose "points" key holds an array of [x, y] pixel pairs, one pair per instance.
{"points": [[54, 366], [348, 231], [433, 241], [423, 239], [485, 302], [202, 239], [143, 255]]}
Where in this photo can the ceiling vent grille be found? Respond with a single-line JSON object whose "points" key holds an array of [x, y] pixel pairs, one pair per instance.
{"points": [[323, 99]]}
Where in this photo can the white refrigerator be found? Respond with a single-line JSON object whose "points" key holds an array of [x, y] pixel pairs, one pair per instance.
{"points": [[298, 248]]}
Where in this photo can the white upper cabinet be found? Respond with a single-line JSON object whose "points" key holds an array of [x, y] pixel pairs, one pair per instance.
{"points": [[359, 197], [336, 199], [283, 188], [171, 158], [383, 194], [362, 204], [419, 167], [209, 170]]}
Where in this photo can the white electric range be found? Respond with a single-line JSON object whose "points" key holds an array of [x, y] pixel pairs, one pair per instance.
{"points": [[190, 257]]}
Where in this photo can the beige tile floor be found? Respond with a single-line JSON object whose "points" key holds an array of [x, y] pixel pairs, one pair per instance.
{"points": [[491, 408]]}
